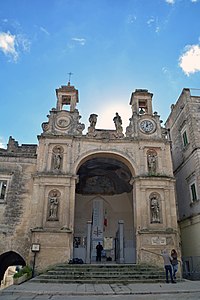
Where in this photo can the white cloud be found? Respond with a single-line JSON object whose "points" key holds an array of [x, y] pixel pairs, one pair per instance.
{"points": [[11, 45], [44, 30], [170, 1], [153, 23], [131, 19], [81, 41], [193, 1], [189, 61], [169, 77], [157, 29], [8, 45], [150, 21], [23, 43]]}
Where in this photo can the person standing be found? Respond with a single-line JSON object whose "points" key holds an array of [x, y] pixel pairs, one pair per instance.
{"points": [[168, 266], [174, 263], [99, 249]]}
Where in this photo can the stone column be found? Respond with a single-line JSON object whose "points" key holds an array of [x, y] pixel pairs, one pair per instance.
{"points": [[73, 103], [66, 208], [88, 249], [72, 187], [121, 241]]}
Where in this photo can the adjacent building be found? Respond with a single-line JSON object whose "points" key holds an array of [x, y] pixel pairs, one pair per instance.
{"points": [[183, 125]]}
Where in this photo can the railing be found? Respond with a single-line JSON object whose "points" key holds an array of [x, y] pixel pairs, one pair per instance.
{"points": [[191, 267]]}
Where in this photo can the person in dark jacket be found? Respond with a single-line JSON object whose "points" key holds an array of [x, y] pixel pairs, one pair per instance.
{"points": [[174, 262], [99, 249]]}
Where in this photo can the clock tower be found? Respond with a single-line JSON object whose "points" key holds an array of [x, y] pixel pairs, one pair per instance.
{"points": [[143, 123]]}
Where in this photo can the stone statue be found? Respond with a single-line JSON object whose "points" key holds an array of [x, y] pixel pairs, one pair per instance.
{"points": [[118, 123], [57, 159], [155, 210], [93, 120], [53, 206], [91, 128], [152, 163]]}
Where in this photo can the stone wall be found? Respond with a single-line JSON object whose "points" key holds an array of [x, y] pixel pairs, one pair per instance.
{"points": [[15, 216]]}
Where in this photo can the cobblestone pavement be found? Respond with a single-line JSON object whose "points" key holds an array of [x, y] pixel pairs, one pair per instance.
{"points": [[186, 290]]}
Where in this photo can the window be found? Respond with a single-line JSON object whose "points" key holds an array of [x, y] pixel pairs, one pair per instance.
{"points": [[193, 192], [185, 139], [3, 185]]}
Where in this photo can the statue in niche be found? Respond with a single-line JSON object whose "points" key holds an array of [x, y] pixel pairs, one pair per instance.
{"points": [[57, 158], [155, 210], [118, 123], [152, 162], [53, 206]]}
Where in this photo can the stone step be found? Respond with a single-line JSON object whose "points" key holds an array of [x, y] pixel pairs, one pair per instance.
{"points": [[96, 280], [90, 273], [105, 268], [66, 273]]}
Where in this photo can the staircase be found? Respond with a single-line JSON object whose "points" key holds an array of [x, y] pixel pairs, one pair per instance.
{"points": [[102, 273]]}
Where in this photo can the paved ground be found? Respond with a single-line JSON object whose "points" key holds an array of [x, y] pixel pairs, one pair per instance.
{"points": [[189, 290]]}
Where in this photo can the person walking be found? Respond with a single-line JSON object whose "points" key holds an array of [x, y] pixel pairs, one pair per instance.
{"points": [[167, 263], [174, 263]]}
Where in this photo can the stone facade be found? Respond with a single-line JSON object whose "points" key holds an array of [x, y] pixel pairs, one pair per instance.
{"points": [[183, 126], [121, 181]]}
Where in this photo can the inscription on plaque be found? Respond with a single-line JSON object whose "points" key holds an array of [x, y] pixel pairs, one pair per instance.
{"points": [[158, 240]]}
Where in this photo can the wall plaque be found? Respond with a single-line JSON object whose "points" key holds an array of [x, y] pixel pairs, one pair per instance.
{"points": [[157, 240]]}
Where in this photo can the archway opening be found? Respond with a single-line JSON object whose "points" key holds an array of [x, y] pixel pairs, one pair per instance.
{"points": [[8, 259], [104, 195]]}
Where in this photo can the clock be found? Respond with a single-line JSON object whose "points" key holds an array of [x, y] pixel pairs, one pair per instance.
{"points": [[147, 126]]}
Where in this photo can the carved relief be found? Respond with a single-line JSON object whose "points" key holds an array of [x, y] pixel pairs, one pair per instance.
{"points": [[152, 162], [63, 122], [45, 126], [57, 158], [155, 208], [53, 205]]}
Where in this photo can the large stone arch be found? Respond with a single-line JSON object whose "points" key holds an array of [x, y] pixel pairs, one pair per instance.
{"points": [[130, 163], [105, 181], [10, 258]]}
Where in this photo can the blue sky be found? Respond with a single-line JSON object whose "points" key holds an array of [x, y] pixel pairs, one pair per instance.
{"points": [[112, 47]]}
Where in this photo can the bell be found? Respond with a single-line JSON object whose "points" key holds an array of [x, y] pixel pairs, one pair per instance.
{"points": [[141, 111]]}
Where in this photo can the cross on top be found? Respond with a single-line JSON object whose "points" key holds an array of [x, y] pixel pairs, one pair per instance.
{"points": [[70, 74]]}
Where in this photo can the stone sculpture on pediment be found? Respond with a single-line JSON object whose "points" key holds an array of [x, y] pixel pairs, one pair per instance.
{"points": [[91, 128], [45, 126], [131, 129], [118, 126], [118, 123]]}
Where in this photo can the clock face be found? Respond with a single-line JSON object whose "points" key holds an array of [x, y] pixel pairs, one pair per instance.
{"points": [[147, 126]]}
